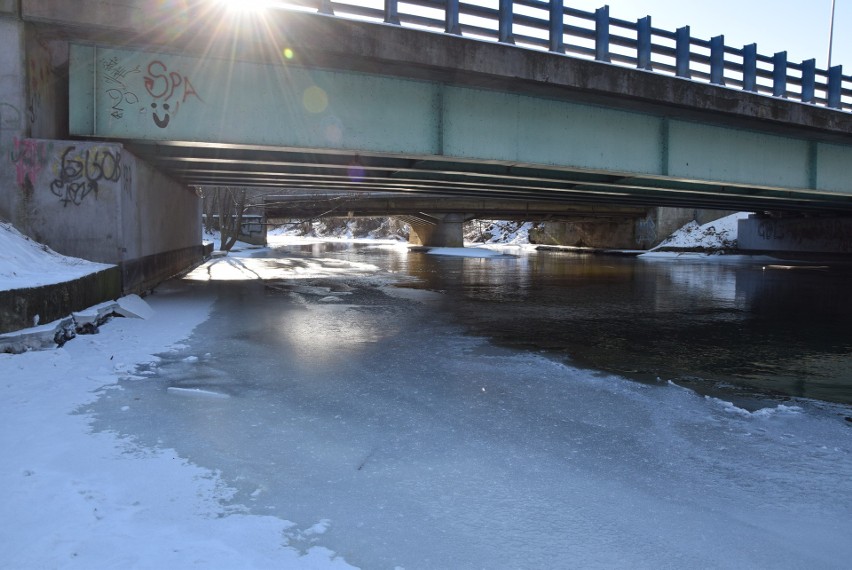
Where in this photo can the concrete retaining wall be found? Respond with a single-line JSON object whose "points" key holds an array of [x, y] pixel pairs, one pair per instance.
{"points": [[627, 233], [19, 307]]}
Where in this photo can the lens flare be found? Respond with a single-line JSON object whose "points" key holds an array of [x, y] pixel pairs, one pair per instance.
{"points": [[315, 99], [288, 53]]}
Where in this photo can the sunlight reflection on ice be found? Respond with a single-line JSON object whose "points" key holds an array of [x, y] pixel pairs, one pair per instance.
{"points": [[247, 268]]}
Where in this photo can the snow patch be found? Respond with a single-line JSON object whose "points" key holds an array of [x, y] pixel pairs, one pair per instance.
{"points": [[27, 263], [731, 408], [717, 235]]}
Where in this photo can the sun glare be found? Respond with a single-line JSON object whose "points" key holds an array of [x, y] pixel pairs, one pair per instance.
{"points": [[246, 5]]}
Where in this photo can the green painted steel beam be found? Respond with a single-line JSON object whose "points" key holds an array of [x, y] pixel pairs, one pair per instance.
{"points": [[236, 110]]}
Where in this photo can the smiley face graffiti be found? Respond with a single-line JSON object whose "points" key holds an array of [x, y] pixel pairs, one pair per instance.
{"points": [[161, 122], [169, 90]]}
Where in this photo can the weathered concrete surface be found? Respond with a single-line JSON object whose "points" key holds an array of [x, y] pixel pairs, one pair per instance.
{"points": [[446, 230], [795, 235], [13, 119], [19, 307], [637, 232], [99, 202]]}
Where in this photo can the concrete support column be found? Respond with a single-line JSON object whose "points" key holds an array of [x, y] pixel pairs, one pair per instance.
{"points": [[13, 106], [440, 231]]}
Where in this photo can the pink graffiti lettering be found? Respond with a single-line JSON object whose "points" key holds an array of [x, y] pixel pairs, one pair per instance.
{"points": [[29, 157], [164, 84]]}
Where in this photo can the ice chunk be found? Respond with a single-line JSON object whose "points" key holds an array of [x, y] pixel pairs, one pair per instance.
{"points": [[197, 392], [134, 307]]}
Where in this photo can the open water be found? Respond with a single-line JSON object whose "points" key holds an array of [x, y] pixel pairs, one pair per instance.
{"points": [[740, 324]]}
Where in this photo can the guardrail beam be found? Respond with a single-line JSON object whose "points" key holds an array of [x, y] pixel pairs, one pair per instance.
{"points": [[391, 12], [451, 17], [557, 26], [505, 22], [682, 52], [834, 87], [717, 60], [750, 67], [602, 34], [808, 81], [779, 74], [643, 44]]}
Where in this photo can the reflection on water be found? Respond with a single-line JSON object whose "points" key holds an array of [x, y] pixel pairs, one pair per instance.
{"points": [[739, 325]]}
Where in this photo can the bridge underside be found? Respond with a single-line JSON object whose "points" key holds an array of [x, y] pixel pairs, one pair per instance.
{"points": [[197, 163]]}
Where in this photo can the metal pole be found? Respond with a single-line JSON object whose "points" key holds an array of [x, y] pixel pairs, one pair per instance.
{"points": [[830, 34]]}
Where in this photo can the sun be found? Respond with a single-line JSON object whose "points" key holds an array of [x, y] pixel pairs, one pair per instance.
{"points": [[246, 5]]}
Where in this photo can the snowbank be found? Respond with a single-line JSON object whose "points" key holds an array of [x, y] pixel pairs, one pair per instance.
{"points": [[74, 499], [718, 235], [498, 232], [26, 263]]}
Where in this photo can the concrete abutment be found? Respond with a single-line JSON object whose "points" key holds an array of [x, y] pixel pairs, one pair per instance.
{"points": [[437, 231], [88, 199], [642, 232]]}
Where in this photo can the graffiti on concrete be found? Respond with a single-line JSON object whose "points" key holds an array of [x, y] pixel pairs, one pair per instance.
{"points": [[116, 79], [29, 157], [38, 72], [127, 179], [646, 231], [807, 233], [10, 117], [169, 89], [80, 173]]}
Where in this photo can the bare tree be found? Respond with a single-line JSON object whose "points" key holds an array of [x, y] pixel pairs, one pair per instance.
{"points": [[224, 207]]}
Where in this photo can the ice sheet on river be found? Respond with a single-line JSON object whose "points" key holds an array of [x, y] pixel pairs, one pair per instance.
{"points": [[375, 433]]}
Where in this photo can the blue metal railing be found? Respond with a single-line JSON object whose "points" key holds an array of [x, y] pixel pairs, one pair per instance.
{"points": [[552, 26]]}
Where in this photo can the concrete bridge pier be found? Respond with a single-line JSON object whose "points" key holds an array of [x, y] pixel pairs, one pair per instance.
{"points": [[83, 198], [444, 230]]}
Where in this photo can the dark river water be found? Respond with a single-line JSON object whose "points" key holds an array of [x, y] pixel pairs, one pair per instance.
{"points": [[738, 325]]}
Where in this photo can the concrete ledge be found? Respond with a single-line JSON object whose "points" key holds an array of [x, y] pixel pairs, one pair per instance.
{"points": [[19, 307], [145, 273]]}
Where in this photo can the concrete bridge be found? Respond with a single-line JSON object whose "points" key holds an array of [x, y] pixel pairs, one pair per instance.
{"points": [[609, 114]]}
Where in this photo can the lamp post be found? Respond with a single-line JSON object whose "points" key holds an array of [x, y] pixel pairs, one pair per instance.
{"points": [[830, 33]]}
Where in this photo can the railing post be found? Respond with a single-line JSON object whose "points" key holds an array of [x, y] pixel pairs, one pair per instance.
{"points": [[452, 18], [779, 74], [750, 67], [717, 60], [682, 45], [643, 43], [505, 16], [326, 8], [557, 26], [391, 12], [834, 88], [808, 80], [602, 34]]}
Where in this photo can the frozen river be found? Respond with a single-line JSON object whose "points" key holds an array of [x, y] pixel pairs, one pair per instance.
{"points": [[516, 412]]}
